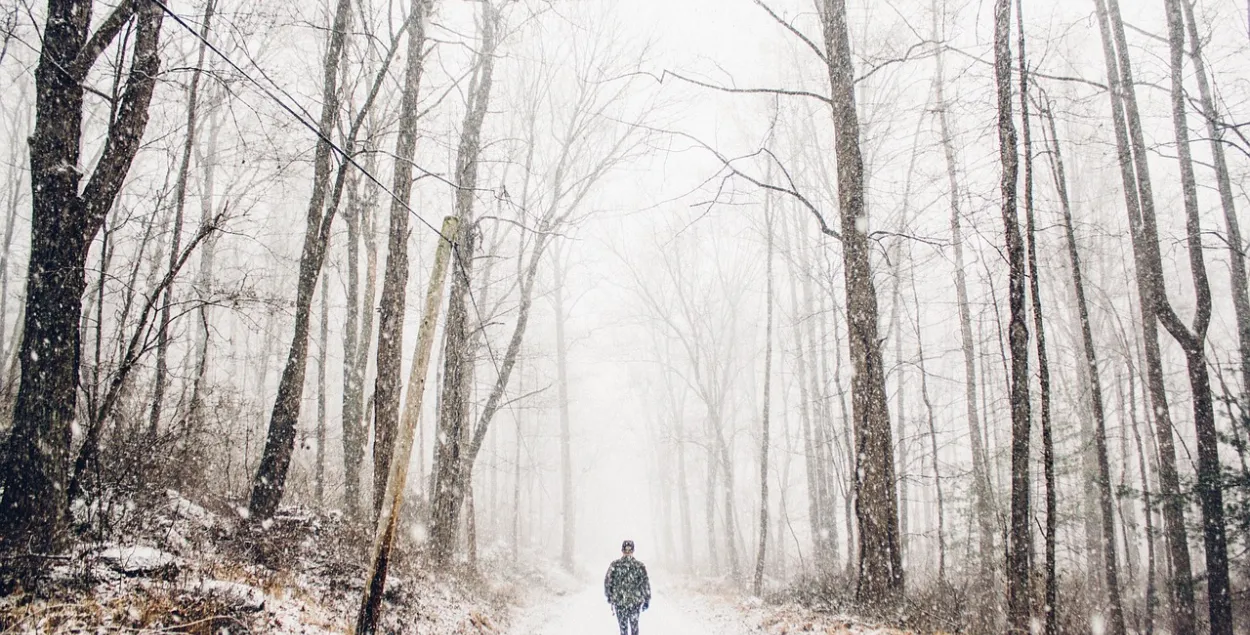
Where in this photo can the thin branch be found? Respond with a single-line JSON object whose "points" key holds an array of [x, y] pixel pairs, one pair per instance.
{"points": [[756, 91], [797, 33], [907, 57]]}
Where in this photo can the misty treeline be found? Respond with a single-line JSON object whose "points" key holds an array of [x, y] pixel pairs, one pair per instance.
{"points": [[946, 320]]}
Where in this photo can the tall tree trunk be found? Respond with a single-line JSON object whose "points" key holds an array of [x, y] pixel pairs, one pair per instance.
{"points": [[1151, 598], [933, 444], [820, 418], [983, 501], [8, 343], [204, 279], [452, 473], [709, 505], [1018, 601], [880, 559], [270, 482], [453, 418], [355, 367], [516, 470], [387, 384], [1140, 206], [683, 501], [353, 383], [900, 367], [34, 506], [812, 465], [568, 504], [758, 585], [323, 344], [1043, 362], [846, 475], [1105, 495]]}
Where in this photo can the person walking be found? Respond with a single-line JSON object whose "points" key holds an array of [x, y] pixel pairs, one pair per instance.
{"points": [[628, 589]]}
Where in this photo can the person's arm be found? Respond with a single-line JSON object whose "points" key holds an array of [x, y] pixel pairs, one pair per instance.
{"points": [[646, 588]]}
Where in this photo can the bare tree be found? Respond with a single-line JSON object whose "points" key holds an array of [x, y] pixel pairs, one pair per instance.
{"points": [[64, 221], [981, 489], [1043, 361], [269, 483], [876, 500], [387, 384], [1019, 546], [1193, 339], [764, 418]]}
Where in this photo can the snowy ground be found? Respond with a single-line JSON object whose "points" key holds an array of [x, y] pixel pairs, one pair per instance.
{"points": [[679, 611], [673, 612]]}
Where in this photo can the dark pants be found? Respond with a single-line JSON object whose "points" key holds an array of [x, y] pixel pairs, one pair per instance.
{"points": [[627, 617]]}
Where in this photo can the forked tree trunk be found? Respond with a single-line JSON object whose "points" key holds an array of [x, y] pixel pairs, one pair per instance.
{"points": [[65, 218], [1193, 340], [1139, 201], [1236, 255]]}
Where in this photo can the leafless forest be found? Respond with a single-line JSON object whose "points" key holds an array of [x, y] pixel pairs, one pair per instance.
{"points": [[399, 316]]}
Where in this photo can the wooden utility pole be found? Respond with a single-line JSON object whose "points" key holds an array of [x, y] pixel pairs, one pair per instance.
{"points": [[393, 499]]}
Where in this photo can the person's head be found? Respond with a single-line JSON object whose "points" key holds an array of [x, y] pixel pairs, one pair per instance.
{"points": [[627, 547]]}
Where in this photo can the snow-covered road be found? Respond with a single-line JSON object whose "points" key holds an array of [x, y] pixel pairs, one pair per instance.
{"points": [[672, 612]]}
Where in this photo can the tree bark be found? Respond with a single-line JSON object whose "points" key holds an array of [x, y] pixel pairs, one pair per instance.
{"points": [[452, 471], [1018, 604], [34, 507], [397, 478], [1043, 363], [880, 560], [387, 384], [269, 483]]}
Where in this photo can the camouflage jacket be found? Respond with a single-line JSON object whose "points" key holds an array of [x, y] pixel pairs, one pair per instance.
{"points": [[626, 583]]}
